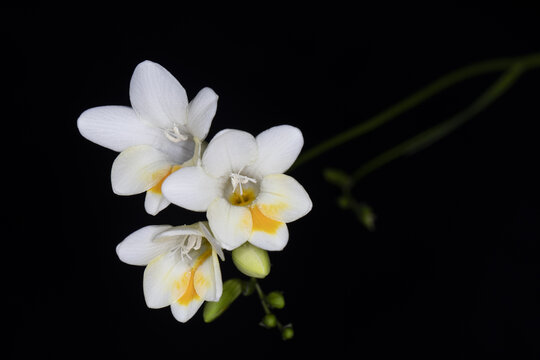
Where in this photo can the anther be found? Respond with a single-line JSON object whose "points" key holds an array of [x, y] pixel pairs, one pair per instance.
{"points": [[238, 180], [191, 242]]}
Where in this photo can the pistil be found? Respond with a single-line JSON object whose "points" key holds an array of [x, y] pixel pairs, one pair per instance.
{"points": [[175, 135]]}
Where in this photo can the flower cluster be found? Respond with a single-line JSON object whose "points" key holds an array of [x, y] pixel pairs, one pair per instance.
{"points": [[236, 178]]}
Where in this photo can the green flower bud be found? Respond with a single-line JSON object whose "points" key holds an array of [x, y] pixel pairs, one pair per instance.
{"points": [[232, 288], [366, 216], [251, 260], [287, 332], [276, 300], [269, 321]]}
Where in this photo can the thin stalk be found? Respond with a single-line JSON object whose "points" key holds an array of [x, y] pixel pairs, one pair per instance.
{"points": [[263, 302], [261, 296], [428, 137], [444, 82]]}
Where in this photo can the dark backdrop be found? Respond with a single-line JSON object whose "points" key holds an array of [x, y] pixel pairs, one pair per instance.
{"points": [[452, 269]]}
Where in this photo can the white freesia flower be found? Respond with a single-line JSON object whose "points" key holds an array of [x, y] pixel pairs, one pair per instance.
{"points": [[156, 136], [241, 185], [182, 267]]}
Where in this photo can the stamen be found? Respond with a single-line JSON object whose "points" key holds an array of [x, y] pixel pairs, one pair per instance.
{"points": [[190, 242], [175, 135], [238, 180], [198, 243]]}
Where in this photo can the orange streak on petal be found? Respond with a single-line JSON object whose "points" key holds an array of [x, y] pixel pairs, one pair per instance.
{"points": [[189, 276], [262, 222], [162, 175], [190, 293], [272, 211]]}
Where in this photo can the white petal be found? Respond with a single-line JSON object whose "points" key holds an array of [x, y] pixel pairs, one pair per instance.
{"points": [[230, 224], [191, 188], [166, 279], [217, 275], [138, 169], [282, 198], [207, 279], [207, 233], [278, 148], [183, 230], [154, 202], [114, 127], [139, 248], [183, 313], [201, 111], [229, 152], [268, 234], [157, 96], [119, 127], [271, 242]]}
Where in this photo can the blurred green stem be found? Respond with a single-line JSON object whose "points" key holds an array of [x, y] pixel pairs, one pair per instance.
{"points": [[428, 137], [446, 81], [264, 304]]}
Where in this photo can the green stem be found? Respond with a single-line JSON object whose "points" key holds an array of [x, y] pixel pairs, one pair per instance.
{"points": [[261, 296], [428, 137], [444, 82], [263, 302]]}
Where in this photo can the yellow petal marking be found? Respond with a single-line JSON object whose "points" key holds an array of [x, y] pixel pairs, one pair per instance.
{"points": [[190, 294], [162, 175], [201, 281], [183, 282], [272, 210], [262, 222]]}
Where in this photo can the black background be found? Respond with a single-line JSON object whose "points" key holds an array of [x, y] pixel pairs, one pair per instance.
{"points": [[452, 269]]}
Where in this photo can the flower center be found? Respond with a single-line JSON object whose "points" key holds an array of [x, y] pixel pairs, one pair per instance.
{"points": [[243, 189], [242, 199], [174, 134], [237, 180], [190, 242]]}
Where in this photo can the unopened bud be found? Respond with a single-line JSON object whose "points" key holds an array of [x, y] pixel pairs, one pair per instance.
{"points": [[269, 320], [232, 288], [276, 300], [251, 260], [287, 333], [366, 216]]}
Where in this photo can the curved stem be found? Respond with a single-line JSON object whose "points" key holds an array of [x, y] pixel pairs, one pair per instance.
{"points": [[444, 82], [263, 302], [428, 137], [261, 296]]}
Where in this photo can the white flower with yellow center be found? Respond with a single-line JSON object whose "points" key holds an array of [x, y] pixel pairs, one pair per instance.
{"points": [[182, 267], [156, 136], [241, 185]]}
